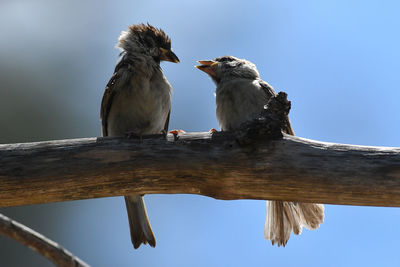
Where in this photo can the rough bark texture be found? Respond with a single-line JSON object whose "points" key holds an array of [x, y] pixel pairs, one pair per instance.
{"points": [[291, 168], [37, 242]]}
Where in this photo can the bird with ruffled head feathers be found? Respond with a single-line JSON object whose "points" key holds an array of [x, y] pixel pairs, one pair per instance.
{"points": [[136, 102], [146, 40]]}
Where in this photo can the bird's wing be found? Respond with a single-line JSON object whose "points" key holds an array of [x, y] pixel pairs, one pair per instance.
{"points": [[167, 122], [269, 91], [110, 91]]}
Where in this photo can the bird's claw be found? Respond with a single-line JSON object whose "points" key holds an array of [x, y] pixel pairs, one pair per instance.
{"points": [[176, 133]]}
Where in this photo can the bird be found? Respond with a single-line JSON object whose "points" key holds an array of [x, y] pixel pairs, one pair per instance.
{"points": [[241, 96], [136, 102]]}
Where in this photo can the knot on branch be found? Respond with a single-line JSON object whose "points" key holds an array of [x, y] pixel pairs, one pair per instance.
{"points": [[269, 125]]}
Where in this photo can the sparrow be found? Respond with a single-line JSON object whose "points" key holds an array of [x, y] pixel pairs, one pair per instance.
{"points": [[137, 101], [241, 96]]}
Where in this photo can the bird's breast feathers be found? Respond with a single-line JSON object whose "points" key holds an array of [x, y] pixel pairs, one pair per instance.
{"points": [[141, 107], [238, 101]]}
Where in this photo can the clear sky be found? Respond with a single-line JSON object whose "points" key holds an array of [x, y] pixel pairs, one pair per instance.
{"points": [[338, 61]]}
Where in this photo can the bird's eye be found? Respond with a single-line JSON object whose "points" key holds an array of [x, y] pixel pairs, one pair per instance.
{"points": [[225, 59]]}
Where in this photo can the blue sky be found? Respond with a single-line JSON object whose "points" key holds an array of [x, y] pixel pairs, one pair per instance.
{"points": [[338, 61]]}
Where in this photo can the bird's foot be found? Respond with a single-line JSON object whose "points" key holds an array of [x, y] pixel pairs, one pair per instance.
{"points": [[176, 133]]}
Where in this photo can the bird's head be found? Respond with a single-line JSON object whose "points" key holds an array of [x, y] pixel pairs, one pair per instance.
{"points": [[147, 40], [227, 68]]}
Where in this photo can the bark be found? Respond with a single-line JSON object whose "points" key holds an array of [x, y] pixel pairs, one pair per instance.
{"points": [[215, 165], [37, 242]]}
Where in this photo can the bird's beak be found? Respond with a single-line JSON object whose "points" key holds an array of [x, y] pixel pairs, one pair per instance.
{"points": [[168, 55], [208, 66]]}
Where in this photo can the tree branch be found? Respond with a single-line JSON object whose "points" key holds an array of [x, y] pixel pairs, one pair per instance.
{"points": [[37, 242], [290, 168], [255, 162]]}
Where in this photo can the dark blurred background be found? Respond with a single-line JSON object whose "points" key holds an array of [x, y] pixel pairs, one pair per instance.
{"points": [[338, 60]]}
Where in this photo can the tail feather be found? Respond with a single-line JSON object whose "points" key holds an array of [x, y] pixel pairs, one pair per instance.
{"points": [[139, 224], [283, 218], [312, 215]]}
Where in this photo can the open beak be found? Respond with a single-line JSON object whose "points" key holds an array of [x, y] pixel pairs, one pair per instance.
{"points": [[168, 55], [208, 66]]}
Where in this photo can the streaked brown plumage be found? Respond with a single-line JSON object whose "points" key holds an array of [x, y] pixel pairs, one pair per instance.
{"points": [[137, 100]]}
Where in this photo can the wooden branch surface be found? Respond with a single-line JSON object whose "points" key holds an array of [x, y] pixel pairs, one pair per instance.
{"points": [[291, 168], [37, 242]]}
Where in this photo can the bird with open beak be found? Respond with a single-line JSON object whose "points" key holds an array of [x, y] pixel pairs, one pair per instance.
{"points": [[137, 101], [241, 96]]}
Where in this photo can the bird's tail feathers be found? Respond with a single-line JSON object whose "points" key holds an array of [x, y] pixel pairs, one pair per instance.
{"points": [[283, 218], [139, 224]]}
